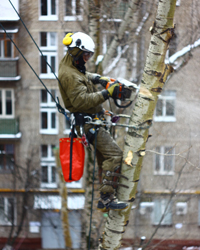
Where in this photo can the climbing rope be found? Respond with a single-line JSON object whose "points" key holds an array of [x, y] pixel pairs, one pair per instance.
{"points": [[91, 210], [34, 41], [59, 107]]}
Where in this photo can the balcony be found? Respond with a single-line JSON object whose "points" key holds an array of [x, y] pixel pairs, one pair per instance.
{"points": [[9, 128], [9, 69], [7, 11]]}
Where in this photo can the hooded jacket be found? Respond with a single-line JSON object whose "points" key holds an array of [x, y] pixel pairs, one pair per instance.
{"points": [[78, 92]]}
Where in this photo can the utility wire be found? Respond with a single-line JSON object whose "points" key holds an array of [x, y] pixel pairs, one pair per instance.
{"points": [[59, 107]]}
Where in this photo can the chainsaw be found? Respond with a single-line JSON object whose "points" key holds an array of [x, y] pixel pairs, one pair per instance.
{"points": [[127, 91]]}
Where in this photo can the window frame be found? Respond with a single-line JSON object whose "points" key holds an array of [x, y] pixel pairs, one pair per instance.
{"points": [[49, 103], [164, 98], [50, 163], [49, 183], [49, 74], [48, 17], [50, 157], [49, 129], [74, 17], [49, 108], [157, 213], [7, 222], [48, 51], [4, 115], [161, 155], [3, 46], [4, 170]]}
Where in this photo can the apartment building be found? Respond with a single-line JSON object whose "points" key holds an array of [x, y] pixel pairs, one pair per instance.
{"points": [[30, 128]]}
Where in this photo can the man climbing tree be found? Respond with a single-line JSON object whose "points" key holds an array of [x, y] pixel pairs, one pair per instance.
{"points": [[81, 98]]}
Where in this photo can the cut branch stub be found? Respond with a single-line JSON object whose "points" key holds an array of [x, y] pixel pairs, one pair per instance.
{"points": [[129, 158], [141, 153]]}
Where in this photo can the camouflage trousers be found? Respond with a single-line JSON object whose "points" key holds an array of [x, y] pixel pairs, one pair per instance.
{"points": [[109, 157]]}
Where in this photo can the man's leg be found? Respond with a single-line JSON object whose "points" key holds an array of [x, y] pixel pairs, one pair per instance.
{"points": [[112, 155]]}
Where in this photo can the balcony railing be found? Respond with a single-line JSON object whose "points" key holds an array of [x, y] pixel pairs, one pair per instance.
{"points": [[9, 128], [9, 69]]}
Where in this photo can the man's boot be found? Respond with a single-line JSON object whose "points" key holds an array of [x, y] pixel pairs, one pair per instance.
{"points": [[108, 201]]}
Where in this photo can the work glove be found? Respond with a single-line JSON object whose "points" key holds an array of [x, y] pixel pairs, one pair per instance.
{"points": [[93, 77], [103, 80], [113, 89]]}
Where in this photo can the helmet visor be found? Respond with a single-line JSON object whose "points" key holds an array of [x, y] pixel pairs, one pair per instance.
{"points": [[87, 55]]}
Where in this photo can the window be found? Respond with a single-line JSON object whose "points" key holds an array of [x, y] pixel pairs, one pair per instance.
{"points": [[6, 158], [6, 46], [48, 46], [161, 207], [48, 167], [165, 108], [178, 2], [73, 10], [48, 116], [7, 211], [164, 160], [6, 103], [52, 230], [48, 10]]}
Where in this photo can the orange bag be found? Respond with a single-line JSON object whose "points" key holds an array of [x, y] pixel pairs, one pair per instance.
{"points": [[72, 155]]}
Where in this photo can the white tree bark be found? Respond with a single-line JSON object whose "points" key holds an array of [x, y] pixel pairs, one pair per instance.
{"points": [[154, 77], [64, 208], [94, 29]]}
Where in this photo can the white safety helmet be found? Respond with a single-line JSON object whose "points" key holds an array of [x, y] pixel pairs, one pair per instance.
{"points": [[82, 41]]}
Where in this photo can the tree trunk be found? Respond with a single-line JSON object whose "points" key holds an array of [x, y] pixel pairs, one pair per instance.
{"points": [[154, 77], [64, 208], [94, 29]]}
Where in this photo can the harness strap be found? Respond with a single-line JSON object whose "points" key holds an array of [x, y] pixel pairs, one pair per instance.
{"points": [[82, 118]]}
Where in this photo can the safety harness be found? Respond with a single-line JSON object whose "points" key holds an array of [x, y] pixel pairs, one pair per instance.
{"points": [[97, 120], [81, 119]]}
